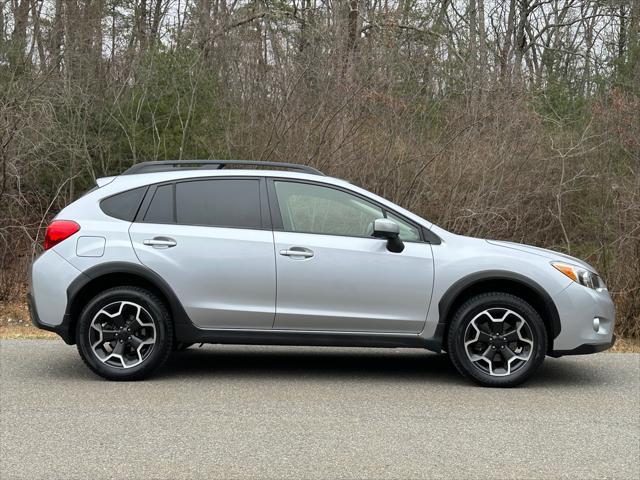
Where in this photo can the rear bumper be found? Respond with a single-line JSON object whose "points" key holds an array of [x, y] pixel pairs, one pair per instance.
{"points": [[62, 329], [49, 279], [585, 348]]}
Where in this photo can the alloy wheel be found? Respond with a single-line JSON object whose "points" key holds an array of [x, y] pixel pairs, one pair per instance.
{"points": [[498, 341], [122, 334]]}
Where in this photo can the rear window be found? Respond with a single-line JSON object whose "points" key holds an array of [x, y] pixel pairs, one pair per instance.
{"points": [[219, 203], [124, 205]]}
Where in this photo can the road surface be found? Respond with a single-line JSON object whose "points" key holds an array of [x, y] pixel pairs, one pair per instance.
{"points": [[282, 412]]}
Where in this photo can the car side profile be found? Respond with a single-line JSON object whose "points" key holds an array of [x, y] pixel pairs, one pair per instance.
{"points": [[169, 254]]}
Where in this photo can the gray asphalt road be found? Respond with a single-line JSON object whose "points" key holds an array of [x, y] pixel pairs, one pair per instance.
{"points": [[276, 412]]}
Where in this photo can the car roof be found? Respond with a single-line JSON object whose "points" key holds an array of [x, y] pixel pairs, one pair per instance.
{"points": [[174, 165], [113, 185], [125, 182]]}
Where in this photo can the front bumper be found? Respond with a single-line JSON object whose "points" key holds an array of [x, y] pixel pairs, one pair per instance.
{"points": [[585, 348], [62, 329], [578, 308]]}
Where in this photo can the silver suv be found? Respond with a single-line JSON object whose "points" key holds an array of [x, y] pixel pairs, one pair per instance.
{"points": [[169, 254]]}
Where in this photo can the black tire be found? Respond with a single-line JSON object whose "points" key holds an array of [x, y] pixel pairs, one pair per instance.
{"points": [[163, 333], [475, 371]]}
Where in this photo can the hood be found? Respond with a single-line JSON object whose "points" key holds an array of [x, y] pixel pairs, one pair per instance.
{"points": [[542, 252]]}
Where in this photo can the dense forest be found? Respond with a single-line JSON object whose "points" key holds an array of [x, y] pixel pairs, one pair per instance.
{"points": [[509, 119]]}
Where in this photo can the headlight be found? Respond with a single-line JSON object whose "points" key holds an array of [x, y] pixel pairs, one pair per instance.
{"points": [[581, 275]]}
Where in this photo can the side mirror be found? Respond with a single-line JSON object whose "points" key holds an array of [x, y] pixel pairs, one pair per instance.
{"points": [[385, 228]]}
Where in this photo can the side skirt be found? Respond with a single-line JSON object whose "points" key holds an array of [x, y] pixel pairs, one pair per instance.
{"points": [[190, 334]]}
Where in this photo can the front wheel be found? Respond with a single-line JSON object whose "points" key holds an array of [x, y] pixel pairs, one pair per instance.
{"points": [[124, 333], [497, 340]]}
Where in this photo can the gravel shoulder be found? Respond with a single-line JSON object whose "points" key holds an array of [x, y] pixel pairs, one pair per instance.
{"points": [[281, 412]]}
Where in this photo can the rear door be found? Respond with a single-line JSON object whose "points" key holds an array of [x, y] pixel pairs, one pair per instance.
{"points": [[211, 241]]}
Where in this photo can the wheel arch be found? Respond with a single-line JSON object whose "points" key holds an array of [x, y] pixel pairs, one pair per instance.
{"points": [[500, 281], [113, 274]]}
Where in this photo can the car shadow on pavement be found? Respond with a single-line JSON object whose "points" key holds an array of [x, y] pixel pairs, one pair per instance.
{"points": [[400, 366], [316, 363], [567, 372], [281, 363]]}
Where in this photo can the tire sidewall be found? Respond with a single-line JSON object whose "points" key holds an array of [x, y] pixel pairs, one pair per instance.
{"points": [[473, 307], [159, 315]]}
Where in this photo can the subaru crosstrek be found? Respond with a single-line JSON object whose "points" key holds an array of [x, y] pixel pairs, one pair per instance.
{"points": [[169, 254]]}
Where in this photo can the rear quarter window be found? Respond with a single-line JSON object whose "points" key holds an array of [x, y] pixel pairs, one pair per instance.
{"points": [[161, 207], [125, 205]]}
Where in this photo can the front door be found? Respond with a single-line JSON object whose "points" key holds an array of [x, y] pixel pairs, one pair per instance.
{"points": [[333, 276]]}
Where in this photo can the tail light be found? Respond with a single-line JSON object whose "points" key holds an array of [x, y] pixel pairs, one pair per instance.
{"points": [[59, 230]]}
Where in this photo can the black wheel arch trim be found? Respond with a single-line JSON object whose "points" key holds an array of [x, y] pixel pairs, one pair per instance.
{"points": [[179, 315], [185, 328], [448, 299], [186, 331]]}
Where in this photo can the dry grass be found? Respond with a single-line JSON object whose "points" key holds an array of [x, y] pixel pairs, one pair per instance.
{"points": [[15, 324], [626, 345], [24, 331]]}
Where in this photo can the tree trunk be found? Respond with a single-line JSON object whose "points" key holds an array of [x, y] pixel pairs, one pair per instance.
{"points": [[352, 26], [482, 37], [505, 51], [141, 24], [57, 29], [19, 34], [521, 37], [37, 33], [155, 23], [204, 26], [2, 26], [351, 38], [633, 46], [472, 13]]}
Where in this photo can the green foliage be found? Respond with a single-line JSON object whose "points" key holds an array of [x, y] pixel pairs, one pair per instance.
{"points": [[628, 72], [561, 102], [169, 110]]}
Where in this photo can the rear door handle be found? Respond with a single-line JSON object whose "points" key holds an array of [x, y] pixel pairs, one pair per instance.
{"points": [[297, 252], [160, 242]]}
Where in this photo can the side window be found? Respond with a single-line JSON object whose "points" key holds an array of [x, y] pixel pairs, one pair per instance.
{"points": [[408, 232], [309, 208], [161, 207], [219, 203], [123, 205]]}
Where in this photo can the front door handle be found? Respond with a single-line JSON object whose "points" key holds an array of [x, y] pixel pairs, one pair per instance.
{"points": [[160, 242], [297, 252]]}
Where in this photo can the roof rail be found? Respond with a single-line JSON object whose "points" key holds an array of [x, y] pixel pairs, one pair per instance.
{"points": [[168, 165]]}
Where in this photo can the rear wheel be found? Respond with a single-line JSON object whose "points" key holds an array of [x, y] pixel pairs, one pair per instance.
{"points": [[497, 340], [124, 333]]}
